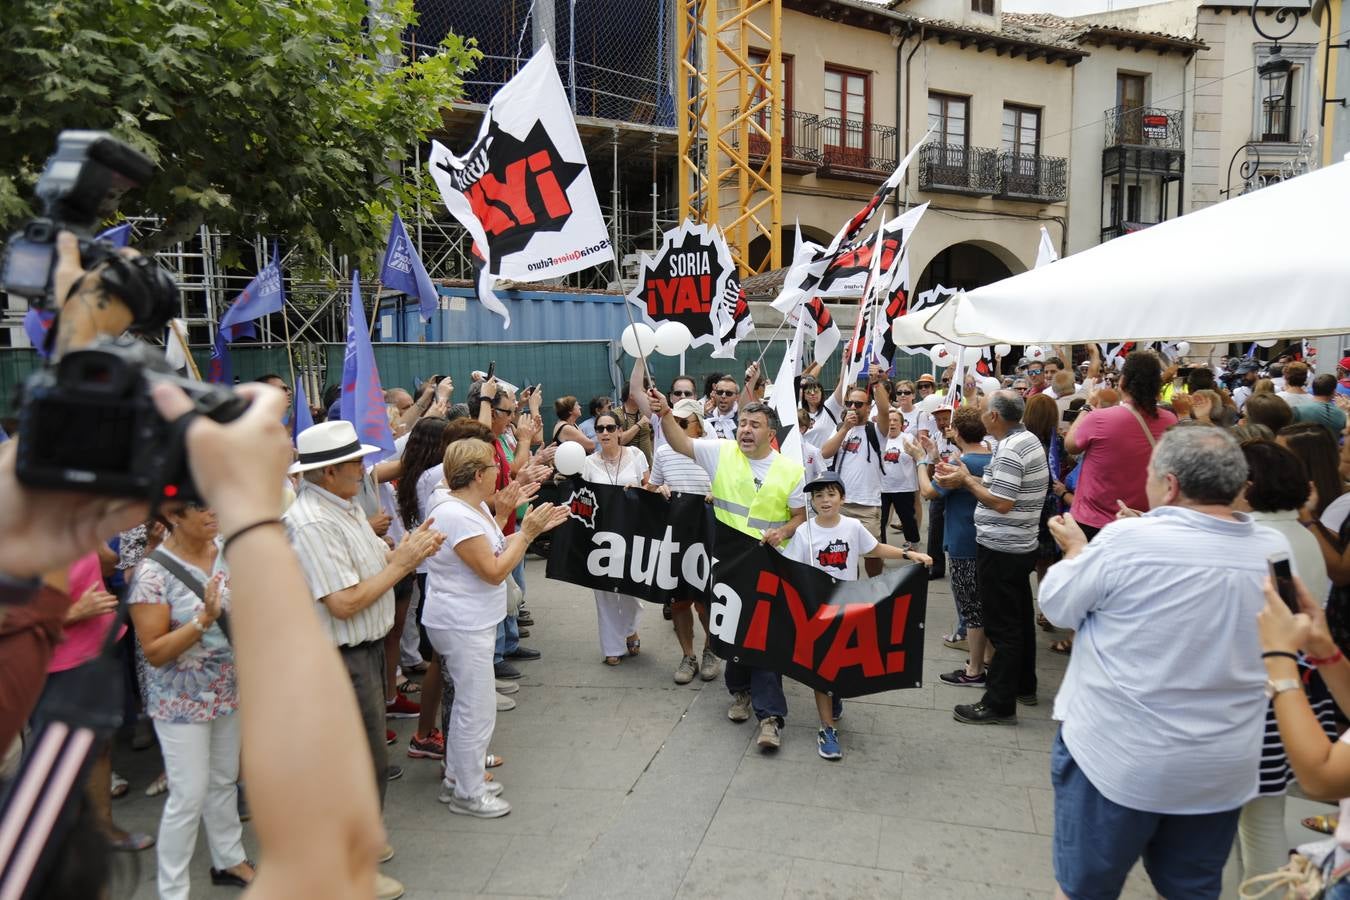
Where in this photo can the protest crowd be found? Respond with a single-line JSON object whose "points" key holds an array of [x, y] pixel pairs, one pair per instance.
{"points": [[1180, 519]]}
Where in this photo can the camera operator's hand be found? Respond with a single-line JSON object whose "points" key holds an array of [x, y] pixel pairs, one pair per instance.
{"points": [[42, 530], [87, 310], [239, 467], [93, 603]]}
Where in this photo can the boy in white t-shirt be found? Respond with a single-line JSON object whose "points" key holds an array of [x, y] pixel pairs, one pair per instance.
{"points": [[834, 543]]}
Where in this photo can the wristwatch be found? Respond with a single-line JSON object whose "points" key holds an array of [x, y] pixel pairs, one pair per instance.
{"points": [[1280, 685]]}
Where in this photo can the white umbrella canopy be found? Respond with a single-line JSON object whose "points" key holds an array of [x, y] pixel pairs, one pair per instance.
{"points": [[1272, 263]]}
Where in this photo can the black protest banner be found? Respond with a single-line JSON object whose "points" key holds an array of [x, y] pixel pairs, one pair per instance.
{"points": [[845, 637], [633, 541]]}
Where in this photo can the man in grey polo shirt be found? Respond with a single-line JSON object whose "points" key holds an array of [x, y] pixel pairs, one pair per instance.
{"points": [[1007, 518], [351, 572]]}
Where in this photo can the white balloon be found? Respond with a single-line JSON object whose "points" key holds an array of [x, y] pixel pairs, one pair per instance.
{"points": [[1037, 354], [970, 356], [569, 457], [1002, 350], [1183, 347], [1267, 344], [939, 354], [638, 340], [673, 338], [989, 384]]}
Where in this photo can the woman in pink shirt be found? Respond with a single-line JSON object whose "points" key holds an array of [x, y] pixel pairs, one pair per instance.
{"points": [[1116, 445], [92, 612]]}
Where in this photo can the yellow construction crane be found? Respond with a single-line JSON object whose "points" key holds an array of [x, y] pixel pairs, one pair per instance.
{"points": [[731, 122]]}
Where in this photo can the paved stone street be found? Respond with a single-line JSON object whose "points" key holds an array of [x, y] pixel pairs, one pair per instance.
{"points": [[624, 784]]}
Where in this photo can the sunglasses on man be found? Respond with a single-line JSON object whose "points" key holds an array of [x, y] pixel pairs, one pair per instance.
{"points": [[722, 393], [681, 393]]}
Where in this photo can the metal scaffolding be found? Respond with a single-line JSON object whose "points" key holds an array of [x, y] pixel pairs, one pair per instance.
{"points": [[732, 104]]}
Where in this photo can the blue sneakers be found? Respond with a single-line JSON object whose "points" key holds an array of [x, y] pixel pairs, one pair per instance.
{"points": [[827, 744]]}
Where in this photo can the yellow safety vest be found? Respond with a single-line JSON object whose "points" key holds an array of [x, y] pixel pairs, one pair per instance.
{"points": [[736, 500]]}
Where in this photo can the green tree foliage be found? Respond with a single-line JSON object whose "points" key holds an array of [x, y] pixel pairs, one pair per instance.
{"points": [[285, 117]]}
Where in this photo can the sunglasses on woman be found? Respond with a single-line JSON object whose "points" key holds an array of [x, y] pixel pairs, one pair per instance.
{"points": [[605, 429], [904, 393]]}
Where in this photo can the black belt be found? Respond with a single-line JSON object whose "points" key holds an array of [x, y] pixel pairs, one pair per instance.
{"points": [[352, 648]]}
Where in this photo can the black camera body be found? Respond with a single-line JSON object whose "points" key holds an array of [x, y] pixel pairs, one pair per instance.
{"points": [[79, 188], [89, 424]]}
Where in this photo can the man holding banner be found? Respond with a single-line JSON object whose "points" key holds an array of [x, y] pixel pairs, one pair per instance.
{"points": [[760, 492]]}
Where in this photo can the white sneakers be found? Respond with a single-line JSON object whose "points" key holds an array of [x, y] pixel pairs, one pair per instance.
{"points": [[448, 789], [505, 703], [506, 687], [484, 806], [387, 888]]}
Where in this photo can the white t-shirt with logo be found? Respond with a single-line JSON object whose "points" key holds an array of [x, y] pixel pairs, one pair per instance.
{"points": [[901, 472], [813, 461], [859, 466], [457, 599], [833, 550], [707, 452]]}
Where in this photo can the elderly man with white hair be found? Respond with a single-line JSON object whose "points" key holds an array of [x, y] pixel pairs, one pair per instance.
{"points": [[1162, 707], [351, 574]]}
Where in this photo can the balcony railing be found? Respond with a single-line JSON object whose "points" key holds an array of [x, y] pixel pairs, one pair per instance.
{"points": [[801, 142], [958, 169], [1040, 178], [849, 149], [1144, 126]]}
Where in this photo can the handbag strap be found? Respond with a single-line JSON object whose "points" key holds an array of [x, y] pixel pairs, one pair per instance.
{"points": [[1152, 441], [193, 583]]}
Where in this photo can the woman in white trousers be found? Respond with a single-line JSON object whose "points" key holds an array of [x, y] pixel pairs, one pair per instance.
{"points": [[465, 601], [616, 614], [190, 695]]}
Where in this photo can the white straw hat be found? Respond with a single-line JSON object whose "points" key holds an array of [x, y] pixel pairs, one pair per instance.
{"points": [[329, 443]]}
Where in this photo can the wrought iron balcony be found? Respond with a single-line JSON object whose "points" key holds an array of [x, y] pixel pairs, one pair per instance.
{"points": [[857, 152], [1039, 178], [1144, 126], [801, 142], [958, 169]]}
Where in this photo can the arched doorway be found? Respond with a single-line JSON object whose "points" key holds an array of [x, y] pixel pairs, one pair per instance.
{"points": [[968, 265]]}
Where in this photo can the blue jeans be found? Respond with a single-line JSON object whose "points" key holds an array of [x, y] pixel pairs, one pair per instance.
{"points": [[1097, 841], [508, 631], [765, 687]]}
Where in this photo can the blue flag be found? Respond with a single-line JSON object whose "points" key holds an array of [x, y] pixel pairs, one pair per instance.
{"points": [[118, 235], [301, 418], [362, 396], [403, 270], [265, 294], [219, 371]]}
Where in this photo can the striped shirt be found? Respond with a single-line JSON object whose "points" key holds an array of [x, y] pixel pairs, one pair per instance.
{"points": [[338, 549], [680, 472], [1017, 472], [1162, 705]]}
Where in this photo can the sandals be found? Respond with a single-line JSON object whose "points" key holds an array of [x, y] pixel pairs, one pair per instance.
{"points": [[1064, 646], [634, 645], [492, 761], [611, 660], [159, 786], [1045, 623], [1322, 824], [408, 686], [119, 786], [132, 842]]}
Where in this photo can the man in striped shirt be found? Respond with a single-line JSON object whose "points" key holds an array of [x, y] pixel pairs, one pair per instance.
{"points": [[350, 571], [1010, 496]]}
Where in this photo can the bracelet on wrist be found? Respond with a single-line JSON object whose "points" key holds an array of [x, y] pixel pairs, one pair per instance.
{"points": [[197, 622], [224, 547], [1320, 661], [1280, 653]]}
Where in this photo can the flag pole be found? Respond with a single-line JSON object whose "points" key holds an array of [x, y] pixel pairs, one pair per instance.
{"points": [[182, 342], [375, 313], [290, 353]]}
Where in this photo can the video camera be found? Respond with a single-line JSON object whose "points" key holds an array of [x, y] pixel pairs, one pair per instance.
{"points": [[87, 422], [80, 187]]}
